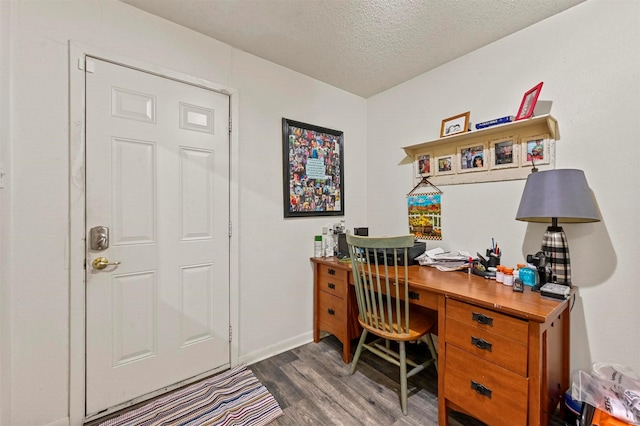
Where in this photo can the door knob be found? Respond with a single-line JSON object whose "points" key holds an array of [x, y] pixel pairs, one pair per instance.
{"points": [[103, 262]]}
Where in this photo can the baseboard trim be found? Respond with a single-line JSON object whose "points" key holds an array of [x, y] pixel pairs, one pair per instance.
{"points": [[278, 348], [60, 422]]}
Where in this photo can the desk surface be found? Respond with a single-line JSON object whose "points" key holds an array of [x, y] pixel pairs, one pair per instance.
{"points": [[477, 290]]}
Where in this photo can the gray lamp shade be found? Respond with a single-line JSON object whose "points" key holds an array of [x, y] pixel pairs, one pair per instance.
{"points": [[562, 194]]}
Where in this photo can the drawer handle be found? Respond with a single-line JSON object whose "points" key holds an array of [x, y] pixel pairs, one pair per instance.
{"points": [[332, 286], [481, 389], [414, 296], [481, 343], [482, 318], [331, 311], [331, 271]]}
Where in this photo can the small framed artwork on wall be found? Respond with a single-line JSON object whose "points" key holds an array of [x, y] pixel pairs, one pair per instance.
{"points": [[504, 153], [535, 150], [445, 165], [472, 158], [422, 165]]}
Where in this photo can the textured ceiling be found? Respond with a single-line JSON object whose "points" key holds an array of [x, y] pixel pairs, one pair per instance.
{"points": [[361, 46]]}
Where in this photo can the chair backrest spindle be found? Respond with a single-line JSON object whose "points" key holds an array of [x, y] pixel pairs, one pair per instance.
{"points": [[381, 280]]}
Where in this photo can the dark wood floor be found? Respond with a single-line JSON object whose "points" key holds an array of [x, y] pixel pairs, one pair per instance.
{"points": [[313, 386]]}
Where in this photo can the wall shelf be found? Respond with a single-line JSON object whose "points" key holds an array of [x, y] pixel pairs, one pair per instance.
{"points": [[522, 135]]}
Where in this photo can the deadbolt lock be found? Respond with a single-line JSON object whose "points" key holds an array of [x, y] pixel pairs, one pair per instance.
{"points": [[99, 238]]}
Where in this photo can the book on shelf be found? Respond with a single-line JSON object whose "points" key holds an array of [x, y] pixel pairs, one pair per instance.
{"points": [[494, 122]]}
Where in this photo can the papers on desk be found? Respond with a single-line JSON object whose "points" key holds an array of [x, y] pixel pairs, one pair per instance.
{"points": [[444, 260]]}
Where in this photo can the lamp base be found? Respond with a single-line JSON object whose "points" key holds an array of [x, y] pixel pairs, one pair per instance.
{"points": [[556, 249]]}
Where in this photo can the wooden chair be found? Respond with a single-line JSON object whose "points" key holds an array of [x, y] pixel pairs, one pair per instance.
{"points": [[383, 304]]}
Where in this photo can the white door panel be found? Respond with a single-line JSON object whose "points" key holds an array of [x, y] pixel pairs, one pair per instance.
{"points": [[157, 156]]}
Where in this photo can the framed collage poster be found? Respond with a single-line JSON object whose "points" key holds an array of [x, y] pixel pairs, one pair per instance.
{"points": [[472, 158], [504, 153], [312, 170]]}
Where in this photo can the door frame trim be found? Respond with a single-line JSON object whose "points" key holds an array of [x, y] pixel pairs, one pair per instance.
{"points": [[76, 239]]}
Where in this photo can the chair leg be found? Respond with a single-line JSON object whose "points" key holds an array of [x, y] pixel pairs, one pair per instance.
{"points": [[403, 377], [356, 356], [432, 349]]}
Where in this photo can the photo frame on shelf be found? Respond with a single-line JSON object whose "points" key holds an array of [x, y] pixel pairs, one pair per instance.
{"points": [[537, 135], [445, 165], [313, 174], [528, 103], [472, 158], [504, 153], [422, 165], [454, 125], [535, 149]]}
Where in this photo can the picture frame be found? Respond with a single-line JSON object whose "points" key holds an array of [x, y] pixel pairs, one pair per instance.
{"points": [[504, 153], [528, 103], [536, 149], [422, 165], [425, 215], [472, 158], [445, 165], [313, 170], [454, 125]]}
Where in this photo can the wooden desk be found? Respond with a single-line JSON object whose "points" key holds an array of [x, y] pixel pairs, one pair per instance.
{"points": [[503, 356]]}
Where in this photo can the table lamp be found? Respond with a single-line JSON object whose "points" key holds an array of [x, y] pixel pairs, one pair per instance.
{"points": [[555, 196]]}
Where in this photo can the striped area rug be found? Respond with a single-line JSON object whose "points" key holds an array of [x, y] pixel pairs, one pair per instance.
{"points": [[234, 397]]}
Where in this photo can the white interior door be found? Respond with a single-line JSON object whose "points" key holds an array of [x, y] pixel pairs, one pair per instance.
{"points": [[157, 176]]}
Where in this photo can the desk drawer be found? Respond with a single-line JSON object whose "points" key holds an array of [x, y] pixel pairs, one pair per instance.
{"points": [[332, 280], [421, 297], [488, 392], [483, 319], [495, 348], [332, 313]]}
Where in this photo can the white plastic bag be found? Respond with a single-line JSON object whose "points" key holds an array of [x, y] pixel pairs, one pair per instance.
{"points": [[611, 388]]}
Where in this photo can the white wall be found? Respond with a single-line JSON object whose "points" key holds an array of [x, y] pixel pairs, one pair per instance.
{"points": [[588, 59], [275, 281], [275, 272], [5, 122]]}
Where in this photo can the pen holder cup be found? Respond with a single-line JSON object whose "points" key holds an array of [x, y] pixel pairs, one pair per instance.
{"points": [[492, 259]]}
